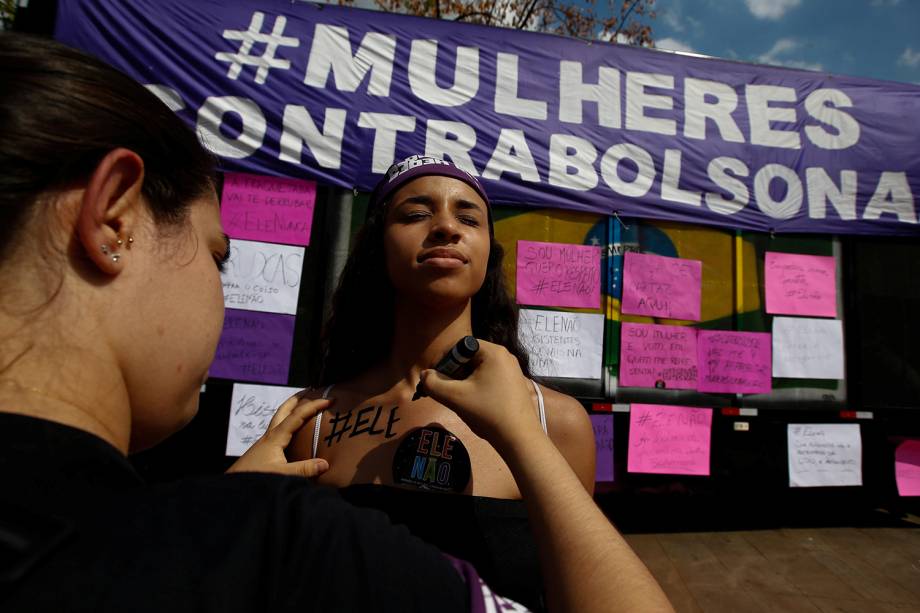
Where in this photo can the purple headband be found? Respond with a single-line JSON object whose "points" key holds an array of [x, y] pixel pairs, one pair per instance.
{"points": [[416, 166]]}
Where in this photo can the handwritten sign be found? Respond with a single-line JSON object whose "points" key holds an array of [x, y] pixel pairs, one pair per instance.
{"points": [[801, 284], [254, 347], [271, 209], [658, 356], [251, 409], [734, 362], [603, 443], [669, 440], [907, 468], [558, 275], [824, 455], [562, 344], [807, 348], [660, 286], [263, 277]]}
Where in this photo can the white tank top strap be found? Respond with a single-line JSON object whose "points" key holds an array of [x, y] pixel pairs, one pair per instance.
{"points": [[540, 405], [319, 422]]}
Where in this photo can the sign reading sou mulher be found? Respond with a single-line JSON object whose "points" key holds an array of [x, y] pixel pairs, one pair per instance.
{"points": [[558, 275], [336, 95]]}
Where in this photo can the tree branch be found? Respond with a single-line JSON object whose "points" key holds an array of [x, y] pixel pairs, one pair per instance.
{"points": [[465, 16], [623, 19], [527, 14]]}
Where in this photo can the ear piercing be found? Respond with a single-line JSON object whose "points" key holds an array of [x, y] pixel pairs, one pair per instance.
{"points": [[116, 256]]}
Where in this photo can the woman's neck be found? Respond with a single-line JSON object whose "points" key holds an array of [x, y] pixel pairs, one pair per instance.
{"points": [[52, 385], [422, 334]]}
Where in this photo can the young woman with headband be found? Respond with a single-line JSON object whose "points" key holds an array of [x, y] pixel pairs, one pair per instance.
{"points": [[426, 271]]}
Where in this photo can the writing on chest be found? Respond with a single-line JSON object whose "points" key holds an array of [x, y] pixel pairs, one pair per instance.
{"points": [[366, 421]]}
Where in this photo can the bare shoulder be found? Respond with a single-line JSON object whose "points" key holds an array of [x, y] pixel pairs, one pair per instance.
{"points": [[565, 416], [569, 427]]}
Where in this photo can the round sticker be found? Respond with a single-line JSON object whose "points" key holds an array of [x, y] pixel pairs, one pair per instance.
{"points": [[431, 458]]}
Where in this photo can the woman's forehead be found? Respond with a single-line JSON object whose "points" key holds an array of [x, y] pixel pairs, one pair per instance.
{"points": [[438, 186]]}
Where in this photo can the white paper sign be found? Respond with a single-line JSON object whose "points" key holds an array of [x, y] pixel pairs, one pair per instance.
{"points": [[262, 277], [806, 348], [824, 455], [562, 344], [251, 408]]}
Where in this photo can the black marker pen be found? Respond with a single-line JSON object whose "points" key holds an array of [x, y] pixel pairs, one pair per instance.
{"points": [[453, 361]]}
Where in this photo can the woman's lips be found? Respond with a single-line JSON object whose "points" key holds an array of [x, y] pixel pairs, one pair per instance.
{"points": [[437, 262], [442, 258]]}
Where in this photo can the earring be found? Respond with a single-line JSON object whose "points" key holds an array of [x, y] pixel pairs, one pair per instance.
{"points": [[116, 257], [130, 240], [120, 242], [105, 250]]}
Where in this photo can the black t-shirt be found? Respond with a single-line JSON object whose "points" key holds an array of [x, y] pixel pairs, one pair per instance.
{"points": [[80, 531], [492, 534]]}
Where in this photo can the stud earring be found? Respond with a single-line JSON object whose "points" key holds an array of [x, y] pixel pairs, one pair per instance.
{"points": [[130, 240], [116, 257], [120, 242], [105, 250]]}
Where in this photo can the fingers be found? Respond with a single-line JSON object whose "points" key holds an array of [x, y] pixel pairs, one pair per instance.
{"points": [[297, 415], [438, 386], [305, 468], [284, 410]]}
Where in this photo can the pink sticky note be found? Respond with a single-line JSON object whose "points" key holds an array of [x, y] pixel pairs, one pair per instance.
{"points": [[669, 440], [603, 444], [801, 284], [735, 362], [267, 209], [907, 468], [558, 274], [660, 286], [651, 354]]}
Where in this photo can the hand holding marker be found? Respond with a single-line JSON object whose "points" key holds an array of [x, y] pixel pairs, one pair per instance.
{"points": [[453, 362]]}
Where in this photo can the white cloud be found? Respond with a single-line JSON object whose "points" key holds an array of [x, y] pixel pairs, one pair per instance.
{"points": [[783, 47], [621, 39], [803, 65], [672, 44], [676, 18], [672, 17], [909, 58], [770, 9]]}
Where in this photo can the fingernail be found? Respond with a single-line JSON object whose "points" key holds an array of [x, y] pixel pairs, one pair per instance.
{"points": [[322, 465]]}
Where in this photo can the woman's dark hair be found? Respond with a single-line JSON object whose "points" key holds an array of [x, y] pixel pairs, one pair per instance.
{"points": [[359, 332], [62, 111]]}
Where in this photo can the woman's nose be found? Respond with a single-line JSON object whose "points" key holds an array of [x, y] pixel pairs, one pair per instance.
{"points": [[445, 226]]}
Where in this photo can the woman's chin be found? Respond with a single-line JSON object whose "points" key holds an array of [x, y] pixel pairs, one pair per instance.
{"points": [[441, 295]]}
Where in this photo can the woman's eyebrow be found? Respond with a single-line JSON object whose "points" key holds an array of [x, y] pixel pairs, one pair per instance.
{"points": [[469, 204], [419, 199]]}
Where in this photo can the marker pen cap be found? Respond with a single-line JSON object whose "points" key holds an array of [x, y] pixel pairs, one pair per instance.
{"points": [[460, 354]]}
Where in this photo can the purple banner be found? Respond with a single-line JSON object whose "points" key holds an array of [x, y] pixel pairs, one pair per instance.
{"points": [[335, 94], [254, 347]]}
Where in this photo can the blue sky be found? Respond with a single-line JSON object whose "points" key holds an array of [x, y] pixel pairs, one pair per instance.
{"points": [[879, 39]]}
